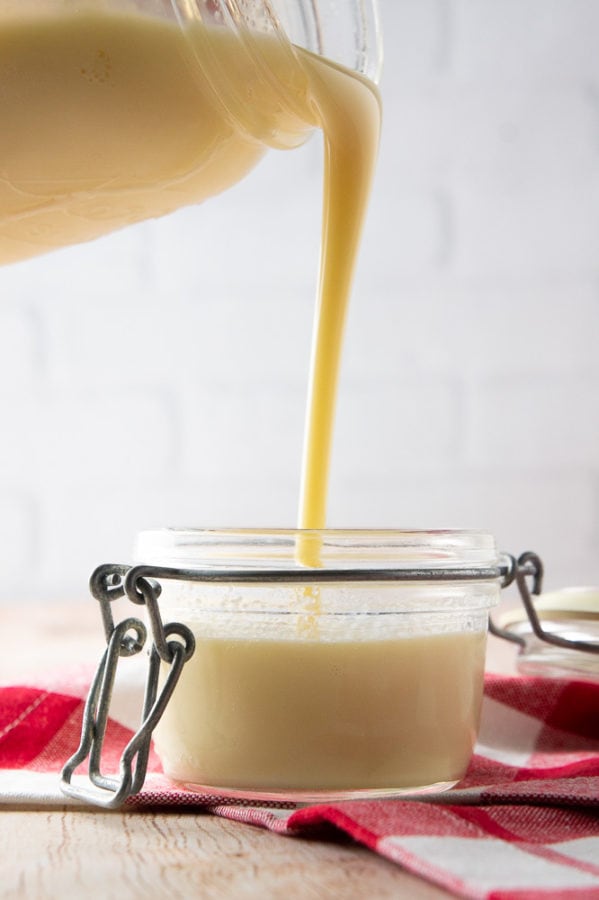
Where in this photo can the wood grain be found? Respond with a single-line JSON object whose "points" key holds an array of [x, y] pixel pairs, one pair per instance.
{"points": [[63, 854]]}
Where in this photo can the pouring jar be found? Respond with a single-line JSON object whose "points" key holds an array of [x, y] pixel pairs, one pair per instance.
{"points": [[360, 677], [136, 108]]}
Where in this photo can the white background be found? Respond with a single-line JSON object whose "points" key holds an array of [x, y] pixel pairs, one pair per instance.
{"points": [[158, 376]]}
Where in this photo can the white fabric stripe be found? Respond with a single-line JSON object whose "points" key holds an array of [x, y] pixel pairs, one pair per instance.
{"points": [[425, 868], [23, 788], [489, 864], [506, 735], [584, 850]]}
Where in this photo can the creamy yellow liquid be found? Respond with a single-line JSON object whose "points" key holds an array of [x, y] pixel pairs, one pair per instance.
{"points": [[284, 716], [106, 119]]}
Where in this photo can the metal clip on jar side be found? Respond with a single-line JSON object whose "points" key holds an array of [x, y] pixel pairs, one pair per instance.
{"points": [[530, 566], [123, 640]]}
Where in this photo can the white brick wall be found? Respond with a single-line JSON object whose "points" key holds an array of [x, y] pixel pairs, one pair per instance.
{"points": [[158, 376]]}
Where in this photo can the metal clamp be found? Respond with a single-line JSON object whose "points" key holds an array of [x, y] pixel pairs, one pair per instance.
{"points": [[530, 566], [123, 640]]}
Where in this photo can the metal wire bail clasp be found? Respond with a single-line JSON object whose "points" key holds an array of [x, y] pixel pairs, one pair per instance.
{"points": [[126, 639], [530, 567]]}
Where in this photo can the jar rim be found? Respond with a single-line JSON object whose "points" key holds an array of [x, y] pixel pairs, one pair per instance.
{"points": [[339, 548]]}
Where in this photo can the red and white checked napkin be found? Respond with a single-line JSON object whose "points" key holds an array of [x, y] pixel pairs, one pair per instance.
{"points": [[524, 823]]}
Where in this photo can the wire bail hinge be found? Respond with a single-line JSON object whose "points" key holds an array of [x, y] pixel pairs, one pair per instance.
{"points": [[529, 567], [172, 645]]}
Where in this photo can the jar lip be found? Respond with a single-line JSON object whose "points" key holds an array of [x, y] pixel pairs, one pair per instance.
{"points": [[351, 548]]}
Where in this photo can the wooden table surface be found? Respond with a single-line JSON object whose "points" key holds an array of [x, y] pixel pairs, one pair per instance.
{"points": [[63, 853]]}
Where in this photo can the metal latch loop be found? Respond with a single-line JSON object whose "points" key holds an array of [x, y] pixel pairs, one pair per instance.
{"points": [[125, 639], [529, 567]]}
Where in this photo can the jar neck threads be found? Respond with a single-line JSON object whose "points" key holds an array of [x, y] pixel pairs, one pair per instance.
{"points": [[348, 33]]}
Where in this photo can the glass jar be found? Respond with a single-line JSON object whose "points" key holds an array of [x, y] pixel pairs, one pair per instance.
{"points": [[361, 676], [347, 33], [570, 616]]}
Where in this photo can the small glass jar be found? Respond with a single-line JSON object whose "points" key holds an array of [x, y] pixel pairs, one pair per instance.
{"points": [[572, 616], [358, 675]]}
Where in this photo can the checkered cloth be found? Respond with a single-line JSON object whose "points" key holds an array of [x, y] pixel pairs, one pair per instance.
{"points": [[523, 824]]}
